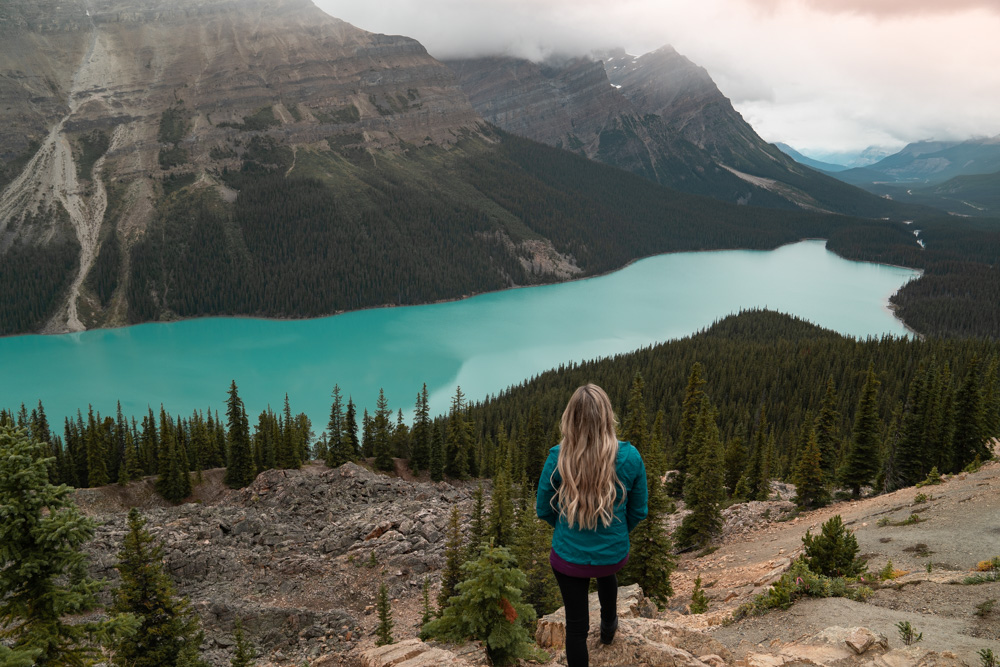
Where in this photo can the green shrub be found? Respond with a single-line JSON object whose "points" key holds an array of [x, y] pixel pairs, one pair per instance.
{"points": [[933, 477], [801, 582], [699, 601], [908, 633], [984, 609], [834, 551], [986, 658], [488, 607]]}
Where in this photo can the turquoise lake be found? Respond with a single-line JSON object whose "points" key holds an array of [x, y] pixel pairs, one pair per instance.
{"points": [[484, 343]]}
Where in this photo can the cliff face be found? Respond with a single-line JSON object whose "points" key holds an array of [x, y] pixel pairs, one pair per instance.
{"points": [[658, 115], [105, 98]]}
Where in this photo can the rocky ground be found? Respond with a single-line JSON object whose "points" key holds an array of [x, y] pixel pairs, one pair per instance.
{"points": [[298, 555]]}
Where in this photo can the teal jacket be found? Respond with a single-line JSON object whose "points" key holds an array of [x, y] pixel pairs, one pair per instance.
{"points": [[605, 545]]}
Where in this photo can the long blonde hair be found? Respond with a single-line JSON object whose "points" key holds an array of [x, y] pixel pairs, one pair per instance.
{"points": [[587, 460]]}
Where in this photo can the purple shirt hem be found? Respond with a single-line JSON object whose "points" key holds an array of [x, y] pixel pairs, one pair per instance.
{"points": [[583, 571]]}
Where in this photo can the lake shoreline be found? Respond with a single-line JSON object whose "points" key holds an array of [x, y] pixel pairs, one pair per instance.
{"points": [[889, 306]]}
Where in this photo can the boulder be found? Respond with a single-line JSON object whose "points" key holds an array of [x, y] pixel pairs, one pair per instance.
{"points": [[411, 653]]}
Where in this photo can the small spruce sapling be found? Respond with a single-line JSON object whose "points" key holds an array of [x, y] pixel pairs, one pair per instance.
{"points": [[699, 601], [383, 633], [244, 653], [834, 551], [908, 634]]}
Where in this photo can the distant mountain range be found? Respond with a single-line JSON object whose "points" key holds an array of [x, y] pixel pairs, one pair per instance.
{"points": [[959, 177]]}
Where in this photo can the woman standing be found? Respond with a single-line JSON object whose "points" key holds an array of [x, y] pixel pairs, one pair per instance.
{"points": [[593, 492]]}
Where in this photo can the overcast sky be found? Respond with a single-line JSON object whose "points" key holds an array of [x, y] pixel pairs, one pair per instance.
{"points": [[821, 75]]}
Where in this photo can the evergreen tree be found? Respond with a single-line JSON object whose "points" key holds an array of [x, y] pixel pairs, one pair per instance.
{"points": [[421, 458], [459, 439], [290, 453], [834, 551], [635, 427], [453, 552], [339, 450], [367, 436], [530, 548], [861, 461], [699, 601], [969, 439], [488, 607], [827, 435], [427, 614], [167, 625], [734, 462], [383, 632], [535, 444], [43, 568], [908, 460], [174, 483], [244, 653], [400, 439], [705, 491], [754, 485], [351, 429], [808, 478], [381, 435], [477, 523], [651, 562], [97, 469], [690, 408], [240, 469], [130, 469], [18, 658], [437, 454], [500, 527]]}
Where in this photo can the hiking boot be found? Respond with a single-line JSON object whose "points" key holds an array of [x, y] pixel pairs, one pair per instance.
{"points": [[608, 632]]}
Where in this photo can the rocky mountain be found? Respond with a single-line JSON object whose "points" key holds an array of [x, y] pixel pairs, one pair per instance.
{"points": [[658, 115], [111, 104]]}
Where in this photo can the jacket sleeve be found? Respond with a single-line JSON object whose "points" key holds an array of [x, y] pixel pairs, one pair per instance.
{"points": [[637, 498], [543, 499]]}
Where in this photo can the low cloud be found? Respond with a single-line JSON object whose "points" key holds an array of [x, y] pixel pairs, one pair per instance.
{"points": [[830, 74], [883, 8]]}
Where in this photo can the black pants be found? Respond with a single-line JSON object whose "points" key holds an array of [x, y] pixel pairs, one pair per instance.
{"points": [[574, 594]]}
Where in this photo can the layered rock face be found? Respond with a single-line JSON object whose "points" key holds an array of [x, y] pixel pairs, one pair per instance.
{"points": [[658, 115], [101, 95]]}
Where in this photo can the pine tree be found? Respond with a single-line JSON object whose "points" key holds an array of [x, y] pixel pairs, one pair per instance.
{"points": [[381, 435], [167, 625], [459, 439], [290, 453], [535, 449], [734, 462], [400, 440], [240, 469], [969, 439], [861, 461], [244, 653], [97, 469], [827, 435], [754, 485], [339, 450], [908, 460], [808, 478], [651, 561], [699, 601], [453, 552], [437, 454], [427, 613], [43, 567], [174, 483], [350, 435], [477, 523], [834, 551], [384, 630], [635, 426], [421, 458], [130, 469], [705, 491], [367, 436], [500, 525], [690, 408], [488, 607], [530, 547]]}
